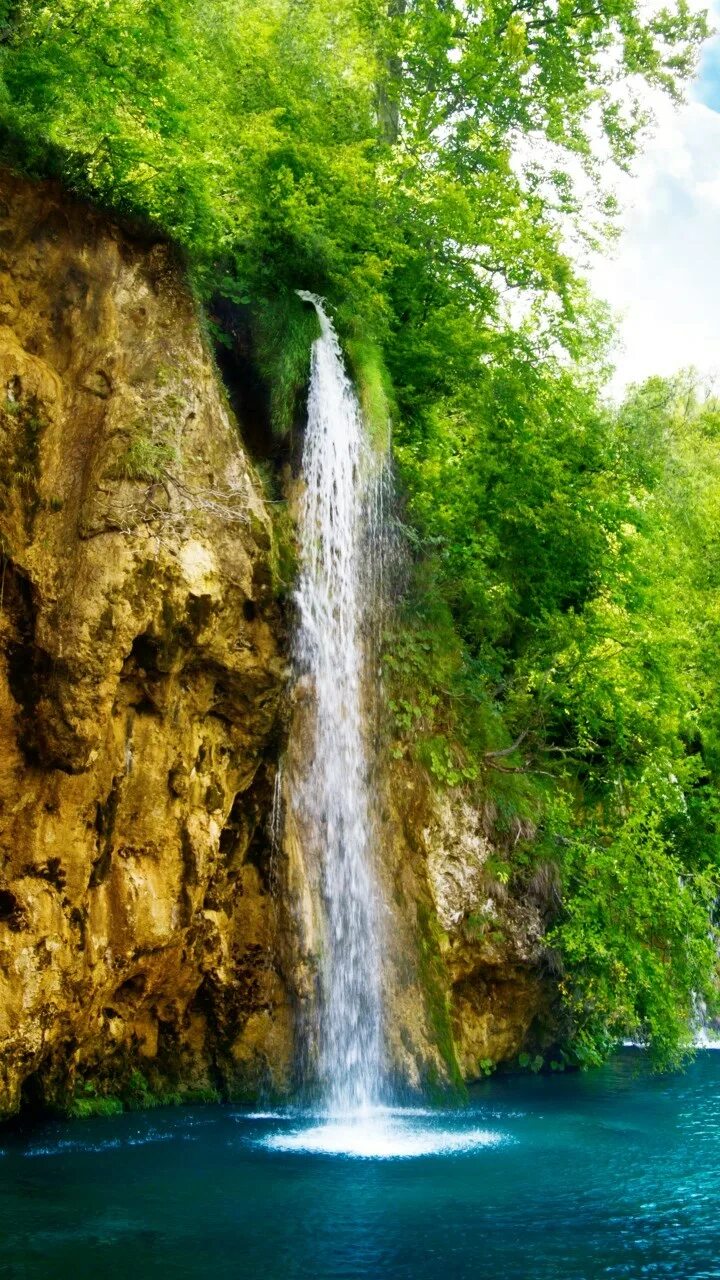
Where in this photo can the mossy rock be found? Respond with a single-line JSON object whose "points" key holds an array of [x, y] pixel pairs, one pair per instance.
{"points": [[434, 985]]}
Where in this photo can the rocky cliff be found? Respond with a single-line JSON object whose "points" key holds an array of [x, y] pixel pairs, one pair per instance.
{"points": [[470, 986], [139, 678], [150, 942]]}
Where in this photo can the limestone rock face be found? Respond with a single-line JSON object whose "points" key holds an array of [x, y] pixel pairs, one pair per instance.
{"points": [[467, 959], [139, 680]]}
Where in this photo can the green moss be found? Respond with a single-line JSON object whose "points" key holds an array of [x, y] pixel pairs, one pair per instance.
{"points": [[85, 1108], [374, 389], [284, 330], [145, 458], [141, 1094], [531, 1062], [475, 926], [284, 552], [24, 422], [442, 716], [424, 676], [200, 1096], [89, 1102], [432, 978], [136, 1094]]}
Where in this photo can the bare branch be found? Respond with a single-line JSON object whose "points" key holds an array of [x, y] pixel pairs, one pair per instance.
{"points": [[507, 751]]}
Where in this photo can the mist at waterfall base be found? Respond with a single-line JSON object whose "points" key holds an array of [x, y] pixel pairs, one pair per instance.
{"points": [[612, 1173]]}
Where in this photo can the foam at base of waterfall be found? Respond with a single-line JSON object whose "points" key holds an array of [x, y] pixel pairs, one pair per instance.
{"points": [[383, 1135]]}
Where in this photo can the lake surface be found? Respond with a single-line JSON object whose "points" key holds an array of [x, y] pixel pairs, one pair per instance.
{"points": [[614, 1173]]}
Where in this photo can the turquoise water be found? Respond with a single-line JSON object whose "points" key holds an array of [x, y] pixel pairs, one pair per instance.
{"points": [[615, 1173]]}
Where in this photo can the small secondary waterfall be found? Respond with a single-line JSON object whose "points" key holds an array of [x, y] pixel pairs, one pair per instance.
{"points": [[706, 1033], [340, 545]]}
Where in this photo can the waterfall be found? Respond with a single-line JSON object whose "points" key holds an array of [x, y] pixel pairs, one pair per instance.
{"points": [[330, 797], [706, 1034]]}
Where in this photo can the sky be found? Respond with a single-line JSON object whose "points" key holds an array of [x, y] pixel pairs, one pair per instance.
{"points": [[663, 277]]}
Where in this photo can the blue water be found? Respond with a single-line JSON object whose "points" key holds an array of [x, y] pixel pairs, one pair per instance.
{"points": [[615, 1173]]}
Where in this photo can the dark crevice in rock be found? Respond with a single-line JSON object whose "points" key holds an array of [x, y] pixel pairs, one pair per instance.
{"points": [[105, 817], [259, 855], [132, 989], [232, 833], [12, 912], [200, 610], [52, 871], [78, 919], [144, 655], [33, 1101], [189, 859], [248, 393], [29, 668], [145, 706]]}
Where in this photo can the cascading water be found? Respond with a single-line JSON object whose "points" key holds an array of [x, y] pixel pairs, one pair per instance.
{"points": [[347, 548], [706, 1034], [331, 799]]}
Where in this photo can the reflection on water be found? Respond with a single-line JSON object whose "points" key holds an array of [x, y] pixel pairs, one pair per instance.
{"points": [[611, 1174]]}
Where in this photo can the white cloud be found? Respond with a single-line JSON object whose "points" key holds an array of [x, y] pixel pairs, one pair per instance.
{"points": [[664, 276]]}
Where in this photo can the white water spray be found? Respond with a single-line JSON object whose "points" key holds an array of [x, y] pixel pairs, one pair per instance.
{"points": [[705, 1029], [331, 798]]}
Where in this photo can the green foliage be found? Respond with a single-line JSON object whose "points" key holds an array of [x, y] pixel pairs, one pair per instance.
{"points": [[560, 525], [139, 1095], [531, 1062], [634, 932], [374, 388], [136, 1094], [442, 713], [221, 122], [22, 425], [88, 1102], [253, 139], [285, 329], [145, 458], [284, 556], [420, 662]]}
